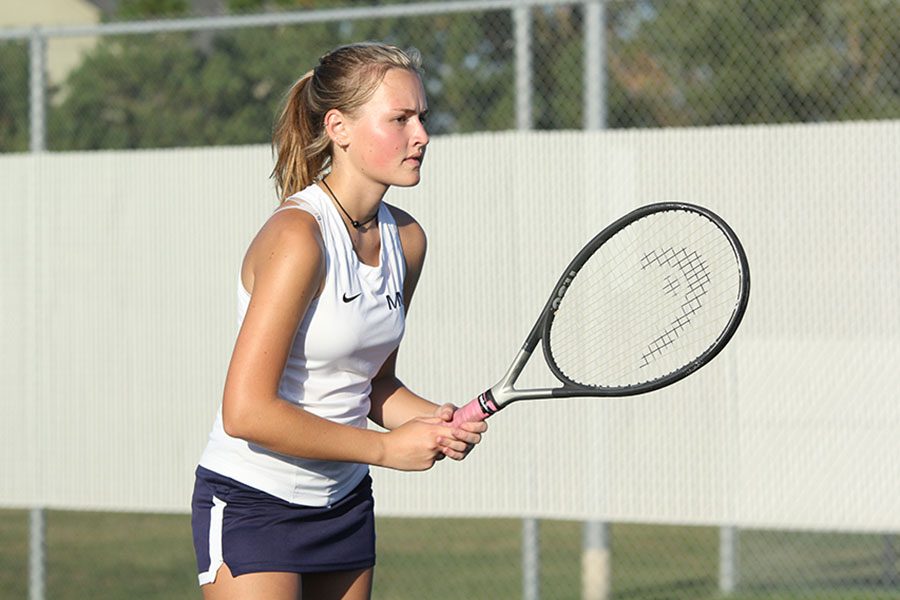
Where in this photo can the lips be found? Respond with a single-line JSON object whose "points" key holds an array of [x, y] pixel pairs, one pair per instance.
{"points": [[417, 159]]}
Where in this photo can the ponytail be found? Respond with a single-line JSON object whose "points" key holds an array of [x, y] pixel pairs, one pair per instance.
{"points": [[299, 141]]}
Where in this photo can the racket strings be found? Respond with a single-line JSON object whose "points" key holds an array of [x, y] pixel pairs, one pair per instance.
{"points": [[611, 343], [598, 305], [697, 288], [615, 360], [652, 298], [681, 319]]}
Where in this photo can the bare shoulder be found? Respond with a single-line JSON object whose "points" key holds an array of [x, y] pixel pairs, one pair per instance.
{"points": [[412, 237], [289, 240]]}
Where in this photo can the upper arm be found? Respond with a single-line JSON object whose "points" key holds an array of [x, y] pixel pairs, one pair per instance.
{"points": [[414, 243], [284, 267]]}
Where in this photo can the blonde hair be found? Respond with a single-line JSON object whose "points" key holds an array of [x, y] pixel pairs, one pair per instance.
{"points": [[345, 79]]}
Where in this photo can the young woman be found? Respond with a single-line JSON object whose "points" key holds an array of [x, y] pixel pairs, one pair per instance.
{"points": [[282, 506]]}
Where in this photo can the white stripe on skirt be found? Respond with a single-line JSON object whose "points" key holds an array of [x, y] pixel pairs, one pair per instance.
{"points": [[215, 541]]}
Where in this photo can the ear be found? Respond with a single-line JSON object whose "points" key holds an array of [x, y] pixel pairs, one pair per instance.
{"points": [[337, 128]]}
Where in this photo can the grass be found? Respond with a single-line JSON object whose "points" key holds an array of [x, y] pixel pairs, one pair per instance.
{"points": [[102, 556], [150, 557]]}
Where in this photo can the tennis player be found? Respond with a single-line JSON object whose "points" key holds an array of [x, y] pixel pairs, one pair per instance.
{"points": [[282, 505]]}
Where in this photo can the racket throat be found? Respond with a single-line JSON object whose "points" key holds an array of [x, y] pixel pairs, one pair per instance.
{"points": [[504, 391]]}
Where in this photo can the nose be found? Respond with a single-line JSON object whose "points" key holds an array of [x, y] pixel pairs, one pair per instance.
{"points": [[420, 135]]}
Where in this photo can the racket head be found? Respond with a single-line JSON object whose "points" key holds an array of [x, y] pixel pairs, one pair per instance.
{"points": [[649, 300]]}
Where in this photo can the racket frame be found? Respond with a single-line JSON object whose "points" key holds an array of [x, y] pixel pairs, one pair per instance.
{"points": [[504, 391]]}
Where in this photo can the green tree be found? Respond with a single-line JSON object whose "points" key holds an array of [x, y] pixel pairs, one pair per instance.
{"points": [[468, 65], [185, 89], [147, 9], [140, 92], [669, 63], [708, 62], [14, 122], [246, 75], [558, 59]]}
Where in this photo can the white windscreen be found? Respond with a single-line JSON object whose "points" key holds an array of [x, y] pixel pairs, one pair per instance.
{"points": [[118, 314]]}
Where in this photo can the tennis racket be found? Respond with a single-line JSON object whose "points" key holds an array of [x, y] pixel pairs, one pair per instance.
{"points": [[648, 301]]}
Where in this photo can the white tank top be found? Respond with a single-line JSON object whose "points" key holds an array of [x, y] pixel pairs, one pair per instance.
{"points": [[341, 343]]}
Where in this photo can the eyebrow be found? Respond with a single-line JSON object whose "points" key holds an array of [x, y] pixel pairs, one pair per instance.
{"points": [[411, 111]]}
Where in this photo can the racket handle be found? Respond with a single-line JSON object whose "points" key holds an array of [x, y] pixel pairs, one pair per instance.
{"points": [[475, 410]]}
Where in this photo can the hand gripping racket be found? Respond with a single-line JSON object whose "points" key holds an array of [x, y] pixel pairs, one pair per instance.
{"points": [[648, 301]]}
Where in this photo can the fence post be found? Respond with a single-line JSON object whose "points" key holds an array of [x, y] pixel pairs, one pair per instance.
{"points": [[38, 143], [595, 64], [596, 562], [729, 539], [531, 559], [37, 527], [522, 26], [38, 93], [729, 535]]}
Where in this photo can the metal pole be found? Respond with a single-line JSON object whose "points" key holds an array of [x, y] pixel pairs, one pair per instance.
{"points": [[298, 17], [596, 562], [531, 559], [37, 143], [729, 535], [38, 95], [729, 539], [595, 64], [531, 543], [36, 559], [522, 26]]}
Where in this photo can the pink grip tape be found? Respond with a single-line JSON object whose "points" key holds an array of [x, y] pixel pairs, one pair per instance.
{"points": [[473, 411]]}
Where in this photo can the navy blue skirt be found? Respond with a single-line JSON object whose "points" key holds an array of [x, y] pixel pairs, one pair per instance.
{"points": [[252, 531]]}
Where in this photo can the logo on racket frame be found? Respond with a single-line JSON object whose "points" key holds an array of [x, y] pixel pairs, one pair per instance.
{"points": [[562, 289]]}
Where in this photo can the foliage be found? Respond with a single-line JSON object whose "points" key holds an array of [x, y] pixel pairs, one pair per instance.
{"points": [[145, 9], [13, 97], [709, 62], [668, 63]]}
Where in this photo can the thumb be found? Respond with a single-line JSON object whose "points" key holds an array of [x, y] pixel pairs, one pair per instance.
{"points": [[445, 412]]}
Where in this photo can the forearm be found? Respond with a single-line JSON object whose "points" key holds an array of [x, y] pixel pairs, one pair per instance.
{"points": [[393, 404], [285, 428]]}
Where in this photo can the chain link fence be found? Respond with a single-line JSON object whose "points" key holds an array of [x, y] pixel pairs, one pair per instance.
{"points": [[489, 66], [493, 66]]}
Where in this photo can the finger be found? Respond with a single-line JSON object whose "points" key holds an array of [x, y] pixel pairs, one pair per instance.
{"points": [[454, 454], [475, 426], [455, 445], [466, 436]]}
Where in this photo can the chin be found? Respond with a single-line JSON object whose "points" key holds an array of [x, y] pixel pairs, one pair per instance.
{"points": [[408, 180]]}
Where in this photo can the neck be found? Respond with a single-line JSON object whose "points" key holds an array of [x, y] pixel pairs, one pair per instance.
{"points": [[356, 211]]}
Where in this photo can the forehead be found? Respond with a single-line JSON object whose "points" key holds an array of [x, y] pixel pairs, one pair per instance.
{"points": [[400, 89]]}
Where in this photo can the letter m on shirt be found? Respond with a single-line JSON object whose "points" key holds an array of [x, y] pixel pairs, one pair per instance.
{"points": [[395, 302]]}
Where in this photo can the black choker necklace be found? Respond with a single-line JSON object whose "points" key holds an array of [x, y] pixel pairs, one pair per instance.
{"points": [[356, 224]]}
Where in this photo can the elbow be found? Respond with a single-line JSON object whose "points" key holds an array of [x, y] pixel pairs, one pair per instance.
{"points": [[231, 426], [234, 418]]}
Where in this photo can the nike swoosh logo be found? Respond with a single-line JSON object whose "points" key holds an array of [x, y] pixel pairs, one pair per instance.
{"points": [[345, 298]]}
